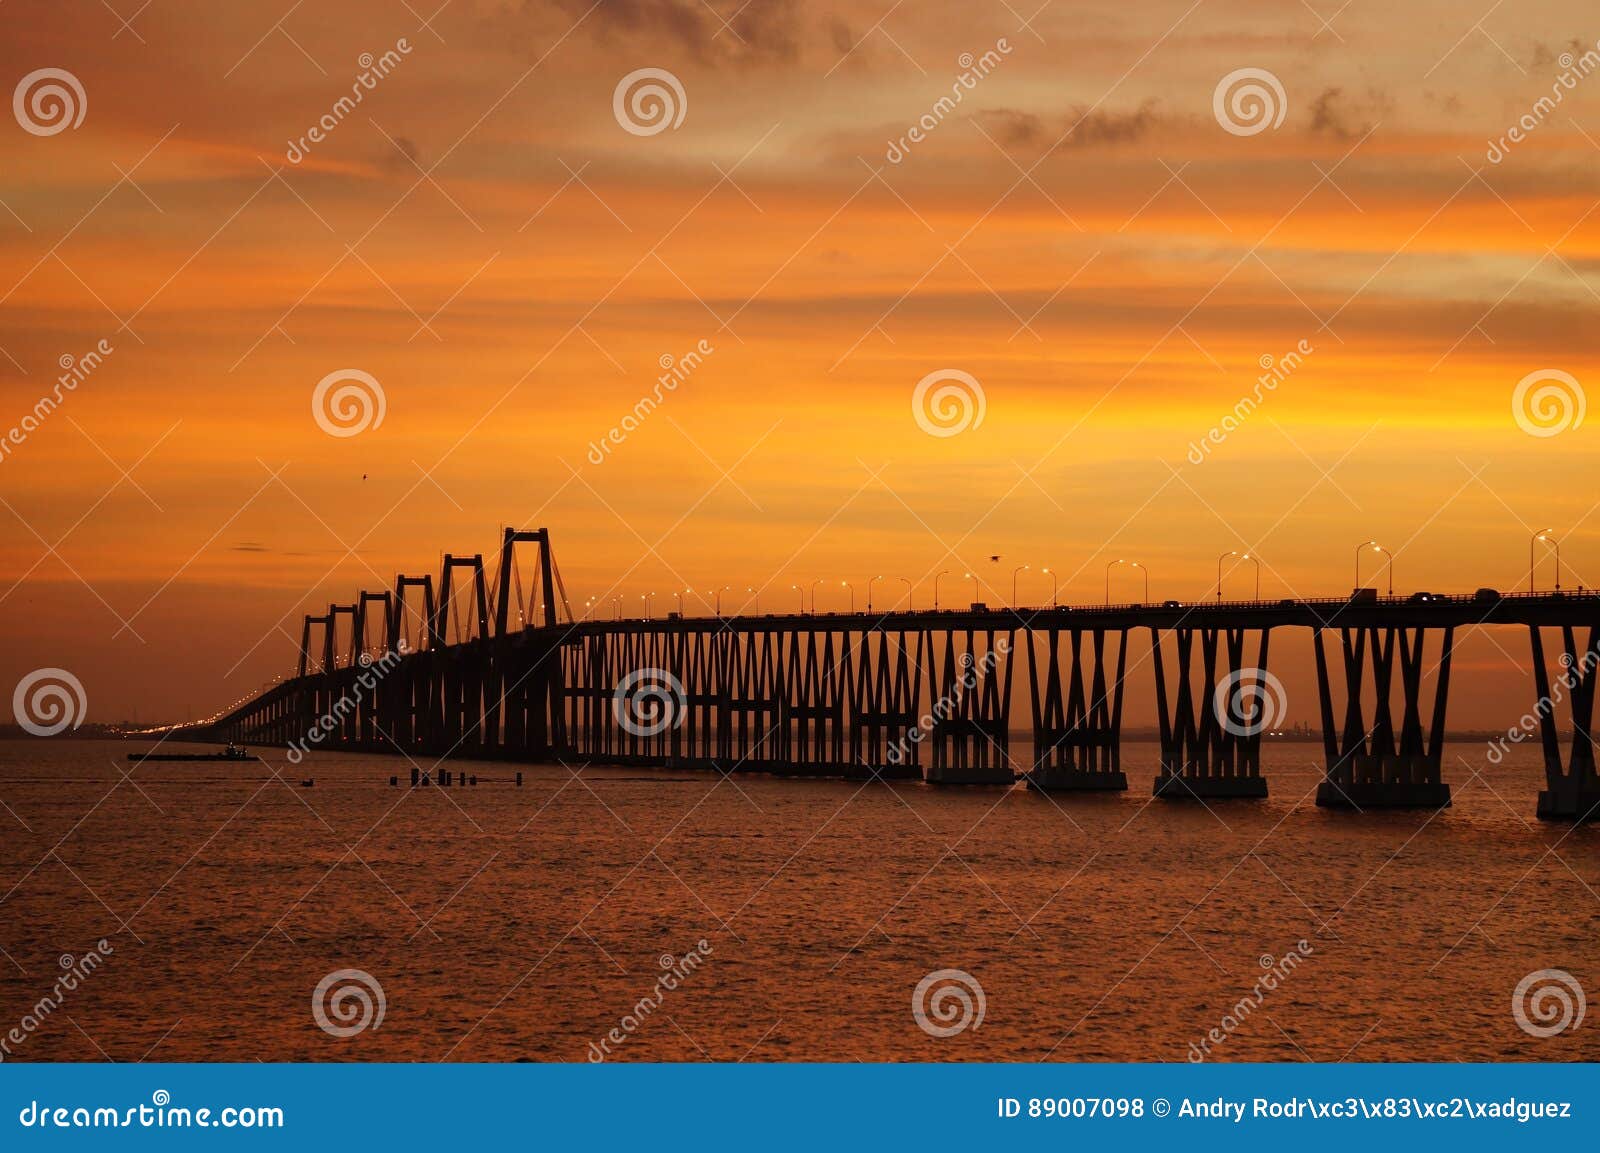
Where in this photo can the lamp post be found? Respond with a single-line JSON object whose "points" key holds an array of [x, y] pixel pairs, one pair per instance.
{"points": [[1242, 556], [1130, 564], [1375, 547], [814, 585], [679, 595], [936, 577], [1014, 572], [720, 591], [1054, 586], [1544, 535], [757, 597], [802, 593], [617, 602], [870, 581], [910, 589], [852, 589], [646, 598], [974, 577]]}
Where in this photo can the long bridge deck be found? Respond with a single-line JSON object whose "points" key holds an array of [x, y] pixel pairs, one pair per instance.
{"points": [[923, 694], [1417, 610]]}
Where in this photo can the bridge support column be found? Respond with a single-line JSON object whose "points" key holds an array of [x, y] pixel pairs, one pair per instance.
{"points": [[1211, 747], [971, 694], [1572, 792], [1076, 734], [1376, 767], [883, 707]]}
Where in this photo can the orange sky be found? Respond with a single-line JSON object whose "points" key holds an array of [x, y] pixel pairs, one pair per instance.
{"points": [[482, 236]]}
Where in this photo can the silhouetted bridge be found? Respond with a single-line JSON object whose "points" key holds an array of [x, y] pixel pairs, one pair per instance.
{"points": [[925, 695]]}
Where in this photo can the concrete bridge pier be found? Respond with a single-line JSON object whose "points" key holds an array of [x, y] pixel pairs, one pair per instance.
{"points": [[1211, 744], [1572, 791], [1378, 766], [1077, 732], [968, 752], [970, 684], [884, 697]]}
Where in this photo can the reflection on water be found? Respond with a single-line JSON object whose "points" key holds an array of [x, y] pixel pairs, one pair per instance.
{"points": [[499, 923]]}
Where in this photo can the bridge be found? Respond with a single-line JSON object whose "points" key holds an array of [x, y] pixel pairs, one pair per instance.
{"points": [[442, 669]]}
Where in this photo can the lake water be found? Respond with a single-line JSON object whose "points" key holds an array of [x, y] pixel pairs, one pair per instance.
{"points": [[507, 923]]}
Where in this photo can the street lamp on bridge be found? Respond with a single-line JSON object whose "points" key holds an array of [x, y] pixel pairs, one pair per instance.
{"points": [[757, 595], [814, 585], [1014, 572], [679, 595], [1130, 564], [1544, 535], [910, 590], [936, 577], [870, 581], [852, 589], [802, 593], [1375, 547], [1054, 585], [720, 591], [1242, 556]]}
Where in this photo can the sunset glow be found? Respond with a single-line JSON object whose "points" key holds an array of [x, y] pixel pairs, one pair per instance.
{"points": [[1079, 234]]}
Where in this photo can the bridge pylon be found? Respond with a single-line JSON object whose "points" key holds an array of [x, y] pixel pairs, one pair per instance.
{"points": [[1380, 766], [883, 702], [970, 689], [1209, 749], [1572, 791], [1077, 730]]}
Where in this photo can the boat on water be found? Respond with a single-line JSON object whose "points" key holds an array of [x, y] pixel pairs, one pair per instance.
{"points": [[231, 753]]}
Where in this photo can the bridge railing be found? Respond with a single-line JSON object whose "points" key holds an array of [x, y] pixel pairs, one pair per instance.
{"points": [[1201, 604]]}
